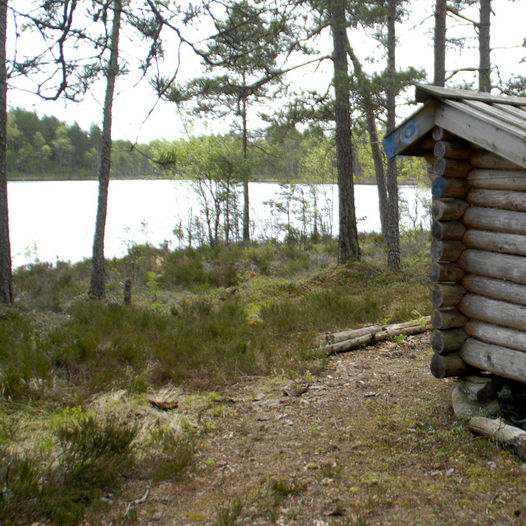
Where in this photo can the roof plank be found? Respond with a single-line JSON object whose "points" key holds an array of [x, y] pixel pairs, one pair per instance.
{"points": [[424, 92], [481, 130]]}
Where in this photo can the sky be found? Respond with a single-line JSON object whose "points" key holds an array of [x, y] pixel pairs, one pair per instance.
{"points": [[133, 103]]}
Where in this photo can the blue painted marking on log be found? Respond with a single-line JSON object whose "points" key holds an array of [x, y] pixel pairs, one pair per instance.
{"points": [[389, 144], [409, 133], [437, 187]]}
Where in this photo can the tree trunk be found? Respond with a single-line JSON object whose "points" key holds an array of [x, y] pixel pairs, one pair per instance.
{"points": [[348, 246], [440, 43], [98, 278], [393, 234], [484, 49], [6, 287], [365, 95], [246, 202]]}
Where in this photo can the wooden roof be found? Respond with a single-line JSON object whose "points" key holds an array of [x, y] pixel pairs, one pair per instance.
{"points": [[495, 123]]}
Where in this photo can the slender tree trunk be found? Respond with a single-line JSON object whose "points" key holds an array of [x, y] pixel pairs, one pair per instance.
{"points": [[393, 233], [348, 246], [98, 278], [246, 201], [484, 49], [6, 286], [440, 43], [365, 95]]}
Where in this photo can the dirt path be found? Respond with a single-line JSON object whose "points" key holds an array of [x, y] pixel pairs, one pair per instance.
{"points": [[371, 440]]}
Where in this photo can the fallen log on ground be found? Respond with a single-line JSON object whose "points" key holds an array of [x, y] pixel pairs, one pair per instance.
{"points": [[344, 341], [506, 435]]}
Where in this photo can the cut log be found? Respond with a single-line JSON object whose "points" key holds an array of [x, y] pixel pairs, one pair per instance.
{"points": [[490, 161], [452, 150], [444, 342], [349, 334], [498, 179], [493, 265], [510, 436], [447, 230], [489, 333], [447, 319], [445, 295], [448, 209], [495, 220], [496, 242], [445, 272], [495, 289], [446, 251], [448, 365], [503, 199], [450, 168], [448, 187], [379, 333], [495, 312], [495, 358]]}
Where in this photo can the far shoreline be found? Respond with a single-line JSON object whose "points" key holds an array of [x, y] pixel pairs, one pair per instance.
{"points": [[61, 178]]}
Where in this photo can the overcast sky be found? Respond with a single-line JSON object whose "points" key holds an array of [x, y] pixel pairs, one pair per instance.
{"points": [[133, 102]]}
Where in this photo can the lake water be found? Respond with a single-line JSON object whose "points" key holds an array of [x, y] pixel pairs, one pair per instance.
{"points": [[54, 220]]}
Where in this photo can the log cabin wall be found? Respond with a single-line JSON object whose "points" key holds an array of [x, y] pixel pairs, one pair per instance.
{"points": [[476, 146], [479, 263]]}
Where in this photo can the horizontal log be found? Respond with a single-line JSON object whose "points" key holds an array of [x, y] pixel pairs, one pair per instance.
{"points": [[348, 334], [452, 150], [378, 334], [448, 187], [447, 230], [336, 337], [428, 143], [489, 333], [492, 311], [495, 359], [447, 319], [495, 220], [445, 295], [494, 265], [448, 365], [446, 272], [490, 161], [503, 199], [496, 289], [446, 250], [446, 341], [496, 242], [498, 179], [451, 168], [448, 209], [439, 134], [504, 434], [429, 157]]}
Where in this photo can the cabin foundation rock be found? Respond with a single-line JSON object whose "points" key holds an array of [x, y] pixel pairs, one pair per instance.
{"points": [[475, 145]]}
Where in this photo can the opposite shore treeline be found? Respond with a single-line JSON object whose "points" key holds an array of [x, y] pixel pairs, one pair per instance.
{"points": [[44, 148]]}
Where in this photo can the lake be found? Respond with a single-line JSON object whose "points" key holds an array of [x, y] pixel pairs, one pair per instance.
{"points": [[54, 220]]}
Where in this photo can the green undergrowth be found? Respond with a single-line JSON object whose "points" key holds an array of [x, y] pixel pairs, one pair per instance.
{"points": [[199, 319], [205, 315]]}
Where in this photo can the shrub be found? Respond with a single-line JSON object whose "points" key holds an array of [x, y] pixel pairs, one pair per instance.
{"points": [[20, 359]]}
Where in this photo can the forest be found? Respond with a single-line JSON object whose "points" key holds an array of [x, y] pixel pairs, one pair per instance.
{"points": [[194, 385], [44, 148]]}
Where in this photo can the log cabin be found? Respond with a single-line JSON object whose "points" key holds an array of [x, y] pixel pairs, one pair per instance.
{"points": [[475, 144]]}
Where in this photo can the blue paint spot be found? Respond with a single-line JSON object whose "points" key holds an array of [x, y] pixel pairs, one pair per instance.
{"points": [[389, 144], [437, 187], [409, 132]]}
